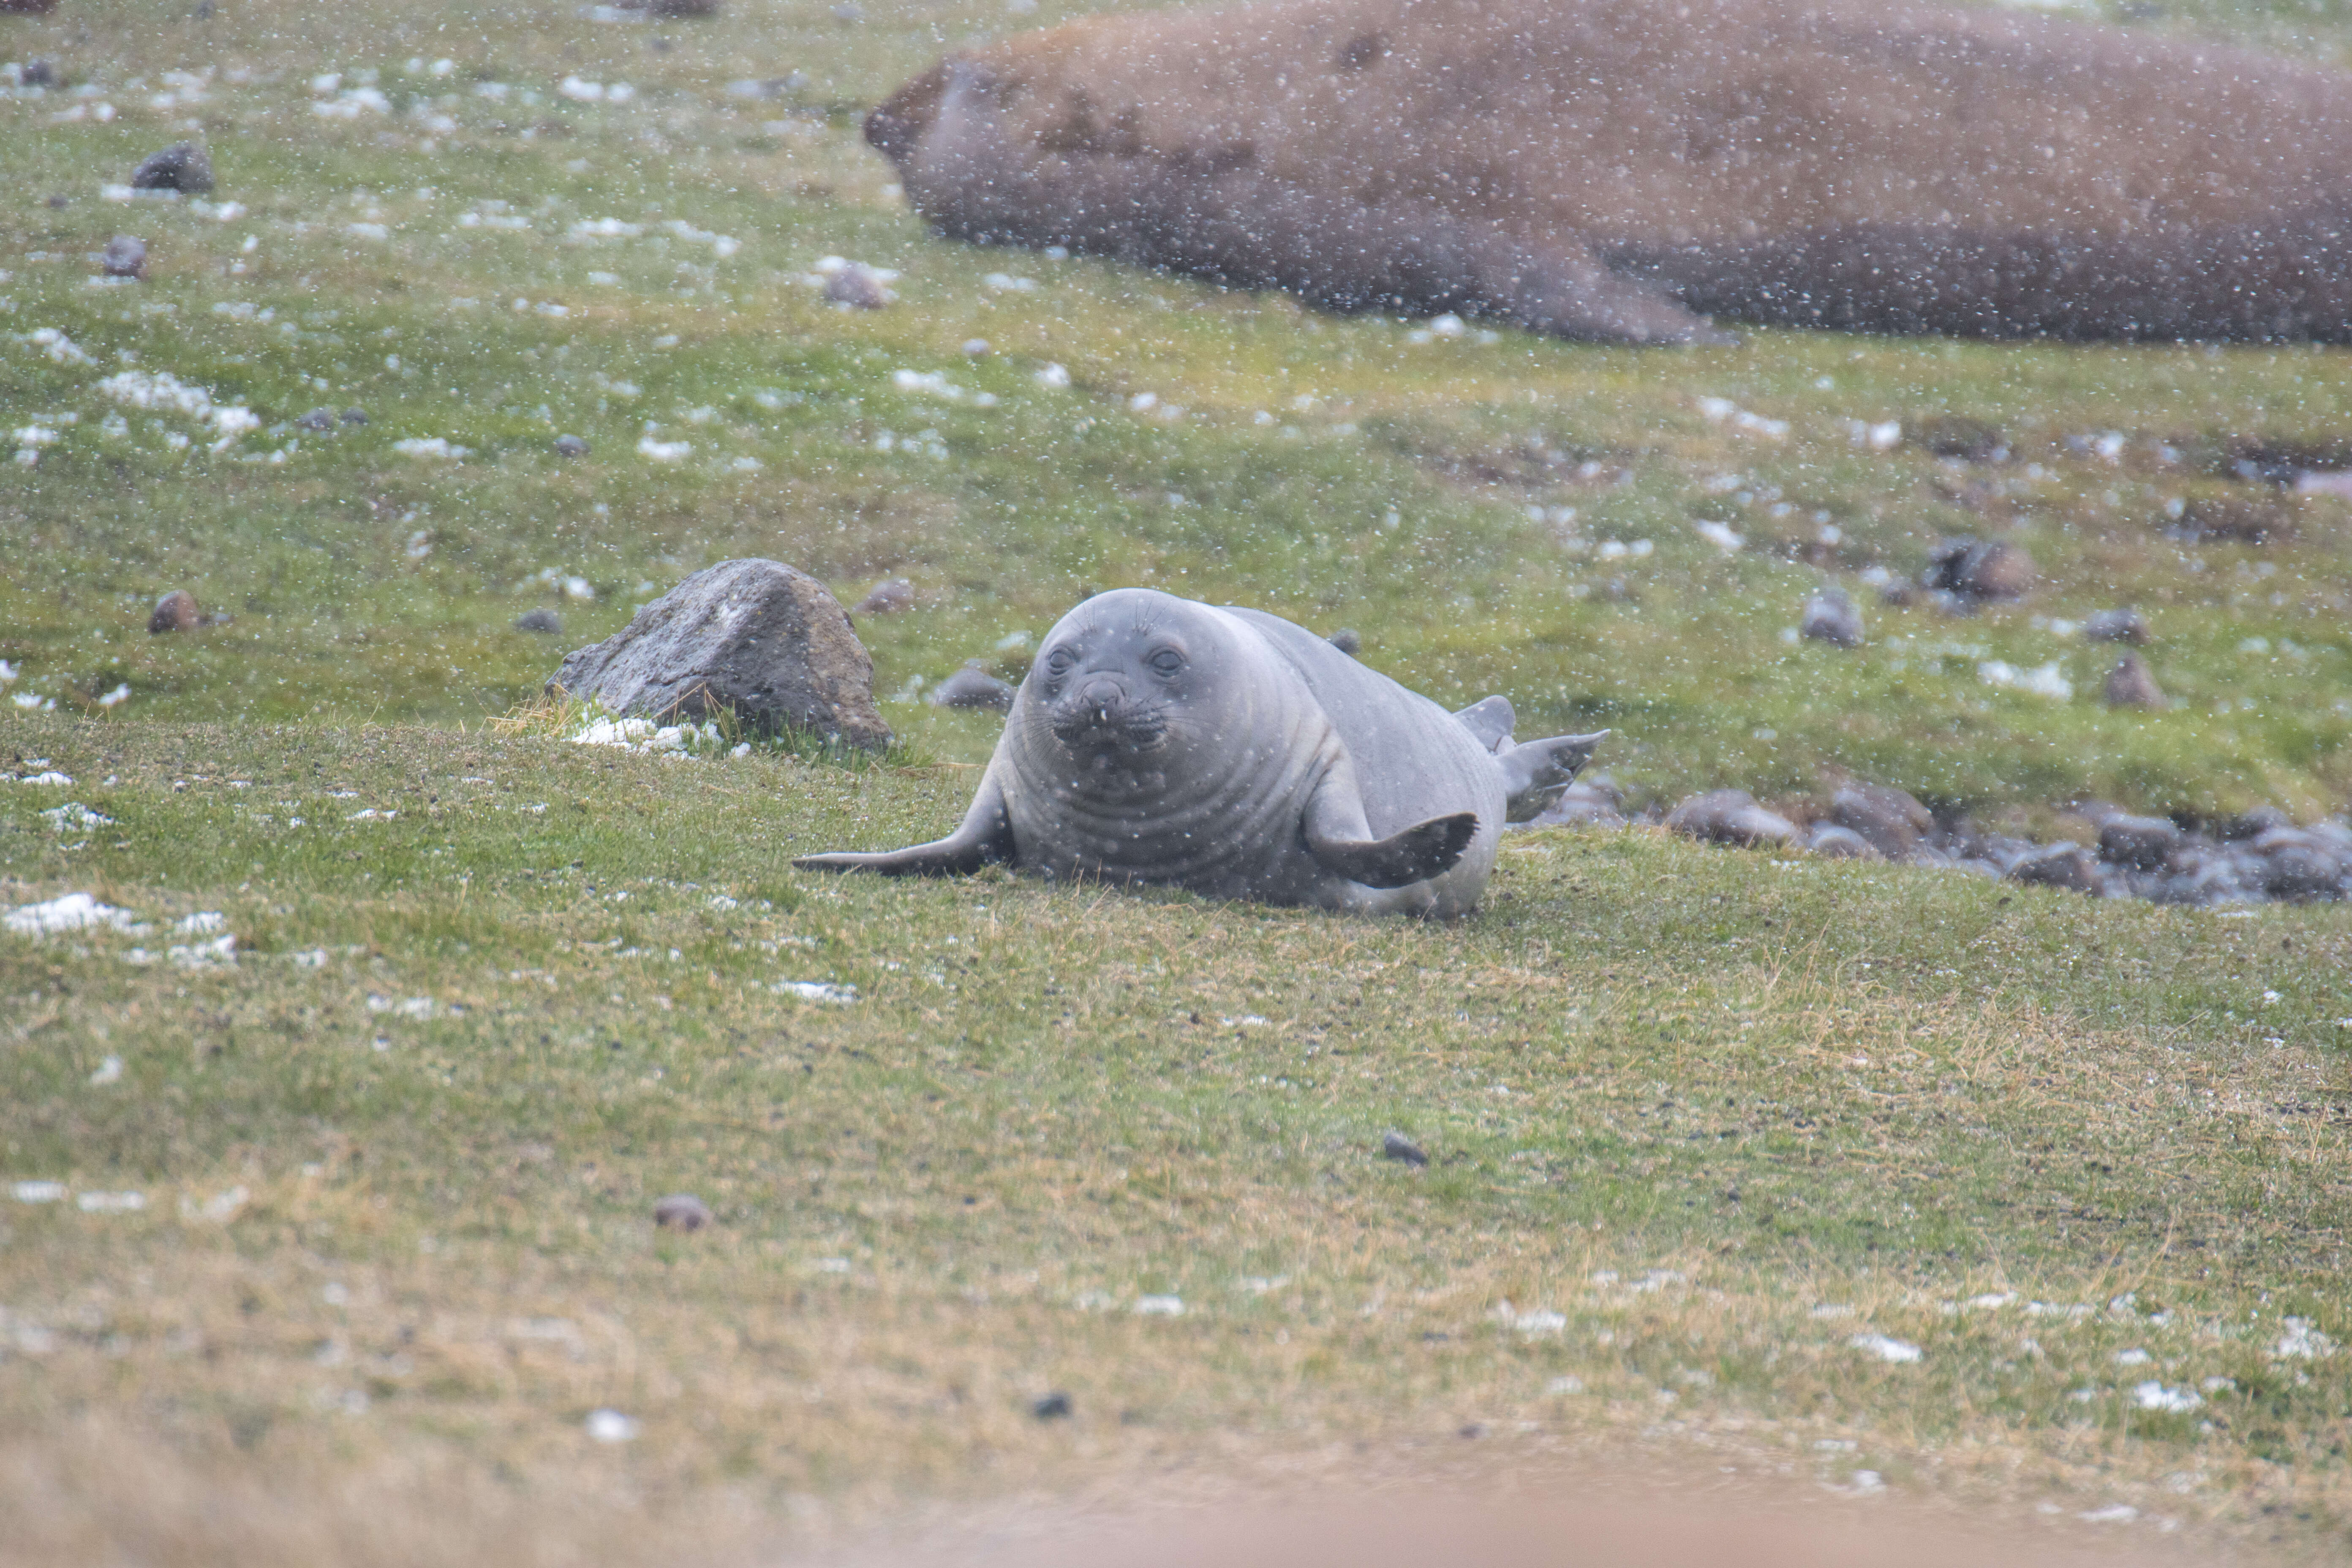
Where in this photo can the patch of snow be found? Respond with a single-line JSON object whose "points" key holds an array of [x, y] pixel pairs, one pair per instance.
{"points": [[110, 1203], [816, 991], [1160, 1306], [612, 1426], [2153, 1395], [1886, 1349], [71, 911], [2046, 680]]}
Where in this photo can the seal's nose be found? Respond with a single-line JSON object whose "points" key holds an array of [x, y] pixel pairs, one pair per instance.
{"points": [[1100, 697]]}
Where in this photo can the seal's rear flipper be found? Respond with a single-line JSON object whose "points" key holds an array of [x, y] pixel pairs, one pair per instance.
{"points": [[1535, 774], [1490, 719], [986, 836], [1424, 850]]}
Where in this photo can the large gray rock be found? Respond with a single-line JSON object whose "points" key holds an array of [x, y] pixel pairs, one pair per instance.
{"points": [[752, 636]]}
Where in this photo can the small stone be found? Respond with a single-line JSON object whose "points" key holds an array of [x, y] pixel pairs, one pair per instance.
{"points": [[317, 419], [1054, 1406], [673, 7], [887, 597], [59, 200], [1617, 590], [857, 285], [975, 348], [125, 256], [2253, 824], [1729, 817], [354, 416], [681, 1211], [2068, 866], [2132, 685], [1347, 641], [540, 620], [1832, 842], [571, 447], [1404, 1151], [182, 167], [2298, 864], [1979, 569], [754, 636], [2117, 626], [1956, 436], [1831, 617], [174, 612], [1890, 820], [2138, 843], [38, 73], [972, 687]]}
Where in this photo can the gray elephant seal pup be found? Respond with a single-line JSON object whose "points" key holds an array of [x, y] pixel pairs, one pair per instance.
{"points": [[1617, 169], [1159, 739]]}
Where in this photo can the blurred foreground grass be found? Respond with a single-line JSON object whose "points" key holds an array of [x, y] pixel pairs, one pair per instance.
{"points": [[1999, 1194], [1700, 1119]]}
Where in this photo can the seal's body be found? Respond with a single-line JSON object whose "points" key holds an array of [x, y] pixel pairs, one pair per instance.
{"points": [[1614, 169], [1228, 752]]}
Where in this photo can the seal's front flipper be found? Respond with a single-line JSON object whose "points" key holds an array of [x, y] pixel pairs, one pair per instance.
{"points": [[1490, 719], [1533, 774], [1341, 841], [986, 836], [1421, 851]]}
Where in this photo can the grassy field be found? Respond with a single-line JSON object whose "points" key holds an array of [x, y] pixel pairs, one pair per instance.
{"points": [[1712, 1137]]}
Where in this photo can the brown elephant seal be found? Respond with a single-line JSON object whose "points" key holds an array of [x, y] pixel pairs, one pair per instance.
{"points": [[1618, 169], [1159, 739]]}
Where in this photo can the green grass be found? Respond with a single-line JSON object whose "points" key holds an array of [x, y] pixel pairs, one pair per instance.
{"points": [[1794, 1087]]}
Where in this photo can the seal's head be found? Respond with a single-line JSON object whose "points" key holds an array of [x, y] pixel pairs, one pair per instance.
{"points": [[1128, 679]]}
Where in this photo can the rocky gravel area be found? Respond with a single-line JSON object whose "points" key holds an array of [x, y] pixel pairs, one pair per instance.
{"points": [[2262, 856]]}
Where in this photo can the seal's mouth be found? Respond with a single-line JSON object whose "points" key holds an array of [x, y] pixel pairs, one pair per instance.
{"points": [[1101, 716], [1091, 728]]}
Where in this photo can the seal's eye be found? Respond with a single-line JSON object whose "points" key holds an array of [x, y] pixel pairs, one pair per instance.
{"points": [[1167, 661], [1058, 662]]}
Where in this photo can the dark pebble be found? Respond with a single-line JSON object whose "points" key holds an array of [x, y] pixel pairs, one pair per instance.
{"points": [[1979, 569], [126, 256], [1729, 817], [317, 419], [2068, 866], [972, 687], [2131, 684], [1347, 641], [2138, 843], [887, 597], [681, 1211], [1398, 1147], [1832, 842], [182, 167], [1054, 1406], [38, 73], [571, 447], [2117, 626], [1892, 821], [174, 612], [858, 285], [539, 620], [355, 415], [1830, 617]]}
